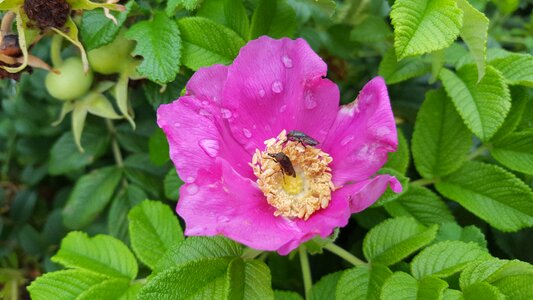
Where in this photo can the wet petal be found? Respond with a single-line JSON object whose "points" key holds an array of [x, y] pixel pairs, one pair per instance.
{"points": [[362, 135], [364, 193], [276, 85]]}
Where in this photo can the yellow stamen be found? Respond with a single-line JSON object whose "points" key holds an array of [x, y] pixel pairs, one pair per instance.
{"points": [[294, 197]]}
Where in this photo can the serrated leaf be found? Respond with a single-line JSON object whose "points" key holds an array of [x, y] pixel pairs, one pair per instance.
{"points": [[516, 68], [153, 229], [482, 290], [90, 195], [172, 185], [236, 17], [450, 294], [474, 34], [519, 96], [159, 43], [484, 105], [402, 286], [395, 239], [97, 30], [65, 157], [287, 295], [362, 282], [440, 140], [492, 194], [117, 220], [516, 287], [458, 255], [257, 281], [326, 287], [187, 4], [274, 18], [206, 43], [424, 26], [140, 170], [63, 285], [399, 160], [101, 254], [454, 232], [197, 248], [515, 151], [480, 271], [373, 29], [109, 289], [422, 204], [395, 71]]}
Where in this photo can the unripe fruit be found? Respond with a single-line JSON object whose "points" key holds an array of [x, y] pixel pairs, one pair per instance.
{"points": [[111, 58], [71, 83]]}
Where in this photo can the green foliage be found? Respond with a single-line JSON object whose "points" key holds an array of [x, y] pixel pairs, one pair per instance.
{"points": [[363, 282], [402, 286]]}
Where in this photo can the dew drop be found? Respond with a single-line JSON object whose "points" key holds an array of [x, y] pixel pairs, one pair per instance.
{"points": [[277, 87], [346, 140], [209, 146], [204, 112], [382, 131], [283, 108], [246, 133], [190, 179], [205, 103], [309, 100], [177, 124], [261, 93], [223, 219], [192, 189], [287, 61], [226, 113]]}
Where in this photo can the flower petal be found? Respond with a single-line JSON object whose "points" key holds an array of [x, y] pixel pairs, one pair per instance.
{"points": [[276, 85], [196, 129], [362, 135], [362, 194]]}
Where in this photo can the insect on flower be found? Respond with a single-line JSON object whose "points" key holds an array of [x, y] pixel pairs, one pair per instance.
{"points": [[228, 140]]}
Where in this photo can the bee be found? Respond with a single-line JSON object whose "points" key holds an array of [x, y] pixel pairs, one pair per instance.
{"points": [[302, 138], [285, 162]]}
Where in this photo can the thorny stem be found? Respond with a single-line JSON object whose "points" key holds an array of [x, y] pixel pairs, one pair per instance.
{"points": [[340, 252], [250, 253], [477, 153], [116, 149], [55, 50], [423, 181], [306, 271], [7, 22]]}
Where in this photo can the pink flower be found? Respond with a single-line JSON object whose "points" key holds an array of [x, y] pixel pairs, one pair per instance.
{"points": [[221, 132]]}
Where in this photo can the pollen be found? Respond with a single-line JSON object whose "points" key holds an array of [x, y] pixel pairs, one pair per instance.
{"points": [[296, 196]]}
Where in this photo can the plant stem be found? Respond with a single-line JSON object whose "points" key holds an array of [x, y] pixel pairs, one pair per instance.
{"points": [[423, 181], [116, 149], [344, 254], [7, 22], [306, 271], [250, 253], [55, 50], [477, 153]]}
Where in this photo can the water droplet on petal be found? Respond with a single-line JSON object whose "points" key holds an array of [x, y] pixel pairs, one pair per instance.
{"points": [[382, 131], [190, 179], [246, 133], [209, 146], [287, 61], [277, 87], [309, 100], [204, 112], [346, 140], [261, 93], [177, 124], [192, 189], [223, 219], [283, 108], [226, 113], [205, 103]]}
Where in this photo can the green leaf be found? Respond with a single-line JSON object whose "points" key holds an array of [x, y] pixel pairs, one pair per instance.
{"points": [[90, 195], [287, 295], [480, 271], [362, 282], [458, 255], [519, 96], [215, 278], [274, 18], [450, 294], [197, 248], [189, 5], [63, 285], [172, 185], [516, 68], [117, 220], [453, 232], [516, 287], [159, 43], [65, 157], [474, 34], [482, 290], [236, 17], [395, 71], [515, 151], [206, 43], [440, 140], [101, 254], [326, 287], [393, 240], [399, 160], [484, 105], [96, 30], [507, 6], [158, 147], [424, 26], [320, 10], [492, 194], [140, 170], [373, 29], [111, 289], [402, 286], [422, 204], [153, 229]]}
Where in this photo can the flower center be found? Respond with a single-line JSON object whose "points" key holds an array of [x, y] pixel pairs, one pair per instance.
{"points": [[294, 177]]}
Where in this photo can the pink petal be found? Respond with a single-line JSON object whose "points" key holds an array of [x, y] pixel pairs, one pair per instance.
{"points": [[362, 135], [196, 129], [276, 85], [363, 194]]}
